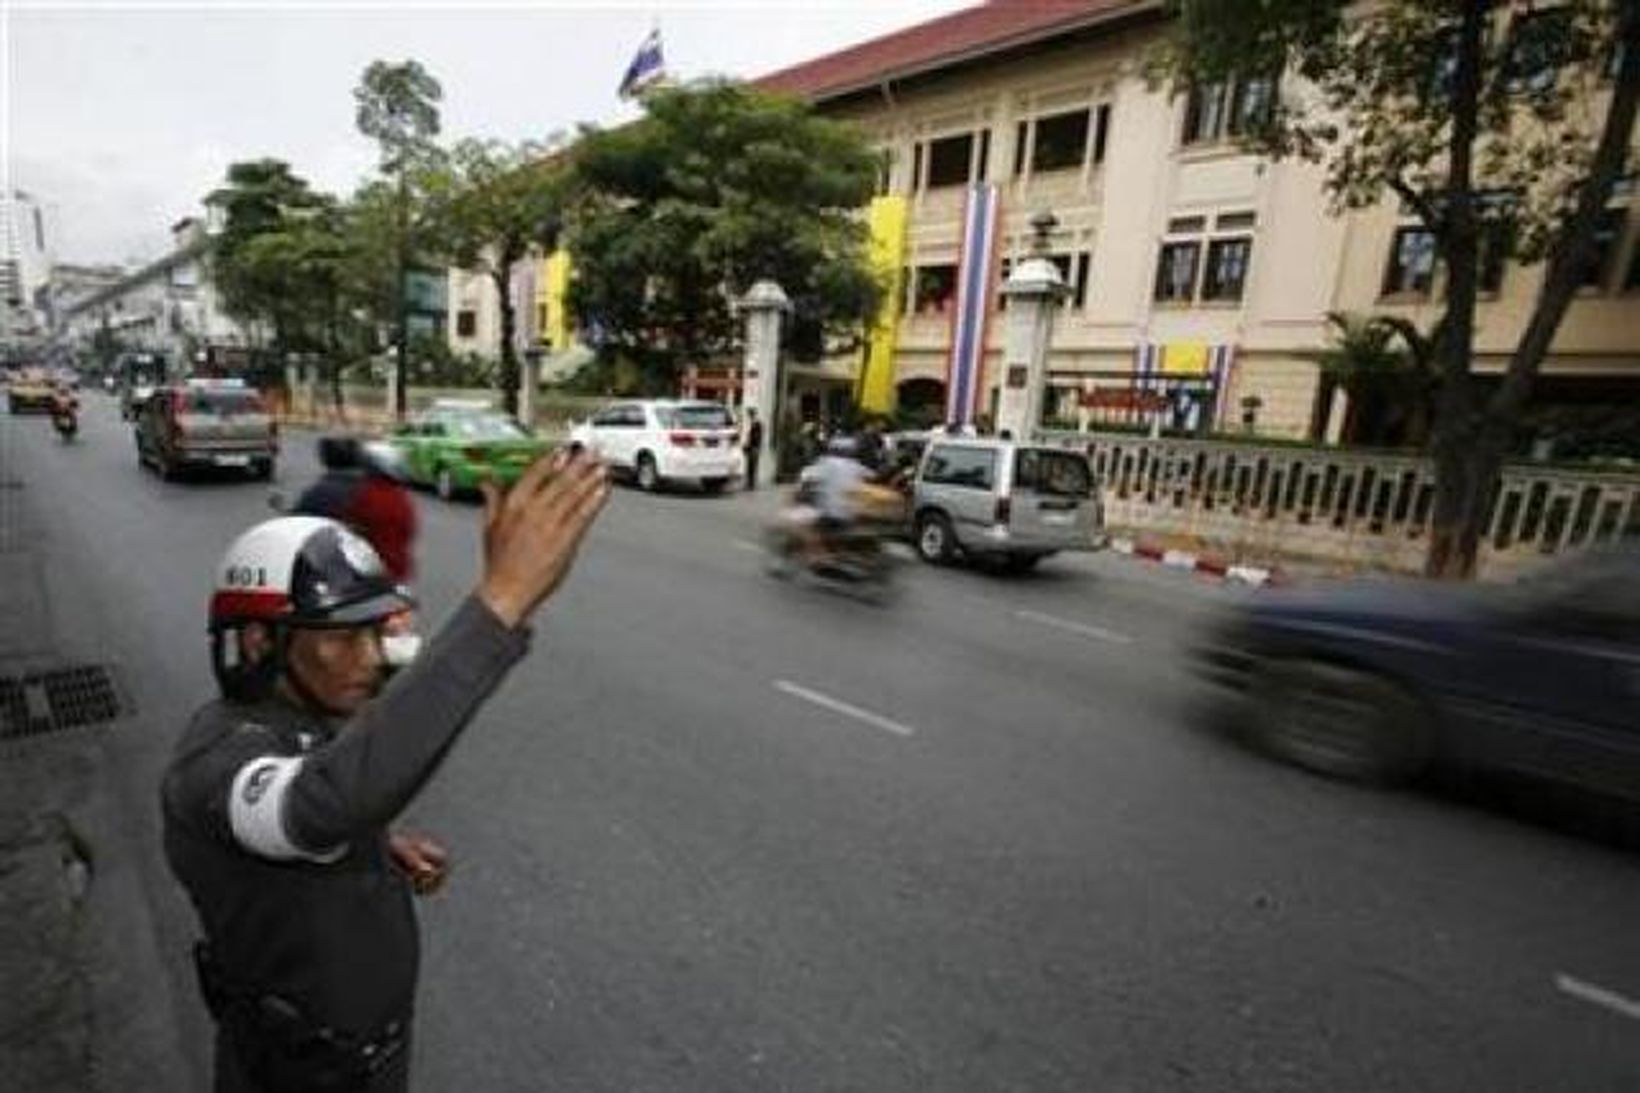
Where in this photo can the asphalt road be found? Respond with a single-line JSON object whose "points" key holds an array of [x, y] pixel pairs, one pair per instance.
{"points": [[724, 833]]}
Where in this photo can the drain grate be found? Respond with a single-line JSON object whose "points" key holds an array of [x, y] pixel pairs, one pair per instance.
{"points": [[65, 698]]}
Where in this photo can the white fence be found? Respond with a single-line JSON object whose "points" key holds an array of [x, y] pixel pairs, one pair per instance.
{"points": [[1364, 507]]}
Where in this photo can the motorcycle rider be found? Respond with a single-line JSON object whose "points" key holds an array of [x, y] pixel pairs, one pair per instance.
{"points": [[279, 796], [364, 486], [835, 479], [65, 409]]}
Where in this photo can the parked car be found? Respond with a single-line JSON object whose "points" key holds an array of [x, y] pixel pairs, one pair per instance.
{"points": [[202, 423], [1003, 501], [454, 445], [659, 441], [1378, 681]]}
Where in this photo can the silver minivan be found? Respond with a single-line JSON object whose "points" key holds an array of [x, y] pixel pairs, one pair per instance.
{"points": [[1004, 501]]}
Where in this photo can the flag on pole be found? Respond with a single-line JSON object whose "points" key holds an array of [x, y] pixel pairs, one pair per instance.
{"points": [[648, 67]]}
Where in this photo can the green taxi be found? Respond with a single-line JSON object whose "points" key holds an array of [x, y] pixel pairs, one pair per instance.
{"points": [[452, 446]]}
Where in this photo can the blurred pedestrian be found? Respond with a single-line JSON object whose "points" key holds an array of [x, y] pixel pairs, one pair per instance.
{"points": [[752, 446]]}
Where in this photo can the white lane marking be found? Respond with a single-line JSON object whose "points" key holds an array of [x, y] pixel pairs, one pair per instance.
{"points": [[839, 706], [746, 544], [1598, 995], [1082, 628]]}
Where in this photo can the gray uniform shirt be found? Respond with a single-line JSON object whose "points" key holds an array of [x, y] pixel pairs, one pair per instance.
{"points": [[276, 822]]}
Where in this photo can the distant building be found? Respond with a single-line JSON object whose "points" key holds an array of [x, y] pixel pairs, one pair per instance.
{"points": [[26, 246], [70, 283], [168, 306]]}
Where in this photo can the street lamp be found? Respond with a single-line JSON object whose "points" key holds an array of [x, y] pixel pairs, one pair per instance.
{"points": [[1034, 290]]}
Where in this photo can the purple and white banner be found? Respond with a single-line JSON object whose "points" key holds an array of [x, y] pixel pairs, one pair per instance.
{"points": [[976, 272], [1220, 360]]}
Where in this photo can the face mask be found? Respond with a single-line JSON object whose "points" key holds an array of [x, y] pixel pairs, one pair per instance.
{"points": [[398, 650]]}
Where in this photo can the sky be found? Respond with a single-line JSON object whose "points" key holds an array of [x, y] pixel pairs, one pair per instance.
{"points": [[120, 117]]}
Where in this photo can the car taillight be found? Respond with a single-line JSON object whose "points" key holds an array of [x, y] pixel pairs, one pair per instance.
{"points": [[682, 440], [1005, 510]]}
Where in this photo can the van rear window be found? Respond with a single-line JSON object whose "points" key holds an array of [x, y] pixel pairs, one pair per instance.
{"points": [[1056, 473]]}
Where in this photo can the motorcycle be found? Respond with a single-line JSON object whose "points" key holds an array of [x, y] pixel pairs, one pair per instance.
{"points": [[65, 419], [854, 560]]}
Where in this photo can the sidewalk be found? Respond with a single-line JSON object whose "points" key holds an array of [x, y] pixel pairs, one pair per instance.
{"points": [[86, 1004]]}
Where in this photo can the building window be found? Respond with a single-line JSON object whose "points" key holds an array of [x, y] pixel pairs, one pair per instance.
{"points": [[936, 290], [1495, 211], [1226, 273], [1101, 131], [1203, 113], [1252, 102], [1176, 271], [1218, 111], [1538, 43], [1443, 72], [466, 324], [1061, 141], [1492, 256], [1411, 268], [1607, 231], [950, 161]]}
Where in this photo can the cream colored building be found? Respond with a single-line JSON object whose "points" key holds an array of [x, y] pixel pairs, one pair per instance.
{"points": [[1178, 246]]}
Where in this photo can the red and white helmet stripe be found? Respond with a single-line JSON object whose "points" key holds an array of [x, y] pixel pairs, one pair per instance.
{"points": [[254, 576]]}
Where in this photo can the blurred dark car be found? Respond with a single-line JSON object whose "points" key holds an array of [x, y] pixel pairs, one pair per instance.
{"points": [[1377, 682]]}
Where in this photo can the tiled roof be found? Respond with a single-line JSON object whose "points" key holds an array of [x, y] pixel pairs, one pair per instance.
{"points": [[962, 35]]}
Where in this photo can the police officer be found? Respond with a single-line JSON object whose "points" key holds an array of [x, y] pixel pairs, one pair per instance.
{"points": [[278, 800]]}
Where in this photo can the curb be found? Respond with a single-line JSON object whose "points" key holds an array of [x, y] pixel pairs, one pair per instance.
{"points": [[1214, 566]]}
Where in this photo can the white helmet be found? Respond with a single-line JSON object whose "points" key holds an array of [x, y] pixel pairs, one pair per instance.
{"points": [[295, 571]]}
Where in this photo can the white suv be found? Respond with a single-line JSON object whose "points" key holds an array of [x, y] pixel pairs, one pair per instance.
{"points": [[658, 441]]}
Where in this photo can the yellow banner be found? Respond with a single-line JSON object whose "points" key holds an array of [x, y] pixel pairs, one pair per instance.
{"points": [[886, 219], [1184, 359], [557, 331]]}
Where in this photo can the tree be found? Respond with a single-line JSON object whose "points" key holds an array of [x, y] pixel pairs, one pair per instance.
{"points": [[258, 198], [1385, 366], [491, 206], [1495, 125], [397, 107], [716, 187]]}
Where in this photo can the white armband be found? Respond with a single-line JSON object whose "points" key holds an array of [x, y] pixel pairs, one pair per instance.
{"points": [[256, 810]]}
